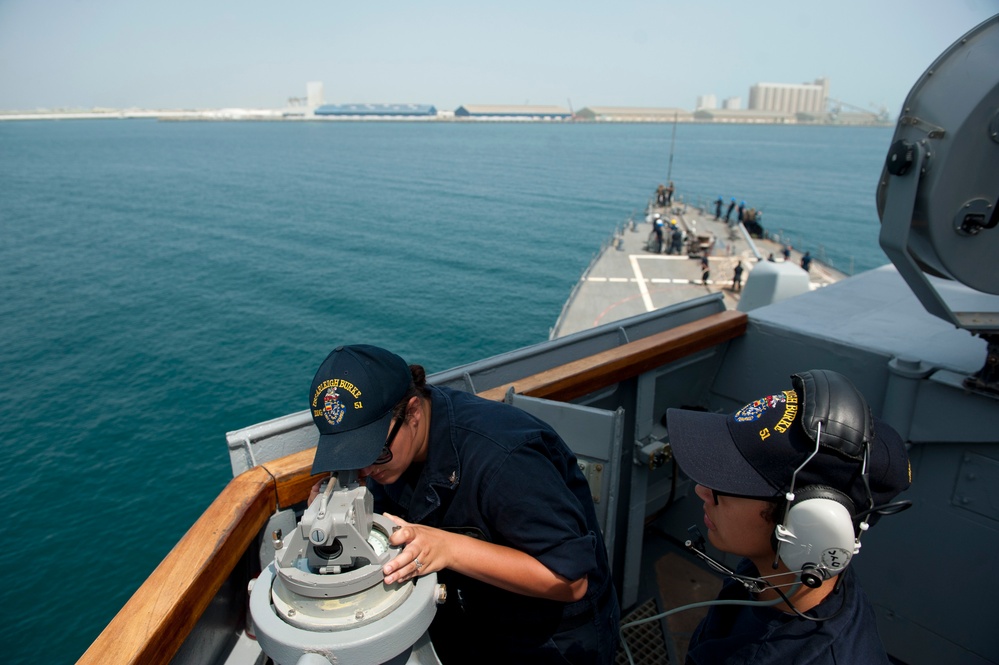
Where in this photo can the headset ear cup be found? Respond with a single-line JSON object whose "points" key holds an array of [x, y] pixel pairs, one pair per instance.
{"points": [[817, 538], [823, 492]]}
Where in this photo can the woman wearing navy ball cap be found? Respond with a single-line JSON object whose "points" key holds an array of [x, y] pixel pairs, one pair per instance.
{"points": [[487, 496]]}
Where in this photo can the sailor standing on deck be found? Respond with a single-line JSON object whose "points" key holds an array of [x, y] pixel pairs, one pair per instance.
{"points": [[488, 496], [676, 238], [661, 195], [657, 230]]}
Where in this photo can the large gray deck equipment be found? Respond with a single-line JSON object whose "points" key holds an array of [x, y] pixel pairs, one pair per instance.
{"points": [[938, 196], [323, 600]]}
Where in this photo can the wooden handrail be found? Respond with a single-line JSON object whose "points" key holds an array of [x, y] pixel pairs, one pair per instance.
{"points": [[293, 476], [154, 623], [627, 361]]}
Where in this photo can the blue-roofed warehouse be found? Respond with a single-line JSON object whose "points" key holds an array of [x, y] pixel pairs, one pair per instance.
{"points": [[393, 110]]}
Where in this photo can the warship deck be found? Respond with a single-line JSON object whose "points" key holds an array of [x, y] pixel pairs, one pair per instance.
{"points": [[626, 278]]}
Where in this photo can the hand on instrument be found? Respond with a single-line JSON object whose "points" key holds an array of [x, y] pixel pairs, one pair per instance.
{"points": [[426, 550]]}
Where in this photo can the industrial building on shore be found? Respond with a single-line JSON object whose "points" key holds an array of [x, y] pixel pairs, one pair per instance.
{"points": [[769, 103], [789, 97]]}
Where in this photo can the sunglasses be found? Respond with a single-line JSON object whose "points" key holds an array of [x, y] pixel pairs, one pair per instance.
{"points": [[386, 455], [717, 493]]}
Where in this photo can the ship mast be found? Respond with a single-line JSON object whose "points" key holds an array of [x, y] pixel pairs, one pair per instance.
{"points": [[669, 171]]}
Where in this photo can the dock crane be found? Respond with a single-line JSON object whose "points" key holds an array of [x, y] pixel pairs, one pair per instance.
{"points": [[836, 106]]}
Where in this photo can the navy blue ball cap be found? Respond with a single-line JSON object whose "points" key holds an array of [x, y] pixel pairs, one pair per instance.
{"points": [[351, 402], [755, 451]]}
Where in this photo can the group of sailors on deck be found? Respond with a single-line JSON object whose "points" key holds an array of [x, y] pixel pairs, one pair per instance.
{"points": [[666, 237]]}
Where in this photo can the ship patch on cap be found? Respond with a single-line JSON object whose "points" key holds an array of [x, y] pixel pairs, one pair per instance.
{"points": [[757, 409], [334, 406], [351, 400]]}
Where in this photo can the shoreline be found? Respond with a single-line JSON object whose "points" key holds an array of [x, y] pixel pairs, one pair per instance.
{"points": [[264, 115]]}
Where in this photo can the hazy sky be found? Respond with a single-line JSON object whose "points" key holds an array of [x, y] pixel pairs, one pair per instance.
{"points": [[654, 53]]}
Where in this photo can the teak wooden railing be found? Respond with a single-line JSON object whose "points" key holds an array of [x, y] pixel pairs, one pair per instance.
{"points": [[154, 623]]}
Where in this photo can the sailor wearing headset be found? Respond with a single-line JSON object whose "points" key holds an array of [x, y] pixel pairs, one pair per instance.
{"points": [[790, 482]]}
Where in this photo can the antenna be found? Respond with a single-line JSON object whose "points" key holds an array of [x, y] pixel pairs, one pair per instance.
{"points": [[669, 171]]}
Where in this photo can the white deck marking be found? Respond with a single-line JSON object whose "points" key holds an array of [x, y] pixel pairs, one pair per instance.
{"points": [[666, 257], [643, 281], [646, 298], [654, 280]]}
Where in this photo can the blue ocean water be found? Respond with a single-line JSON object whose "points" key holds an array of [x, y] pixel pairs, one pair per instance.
{"points": [[166, 282]]}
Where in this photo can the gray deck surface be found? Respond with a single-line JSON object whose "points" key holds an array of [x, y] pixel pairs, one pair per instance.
{"points": [[626, 278]]}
